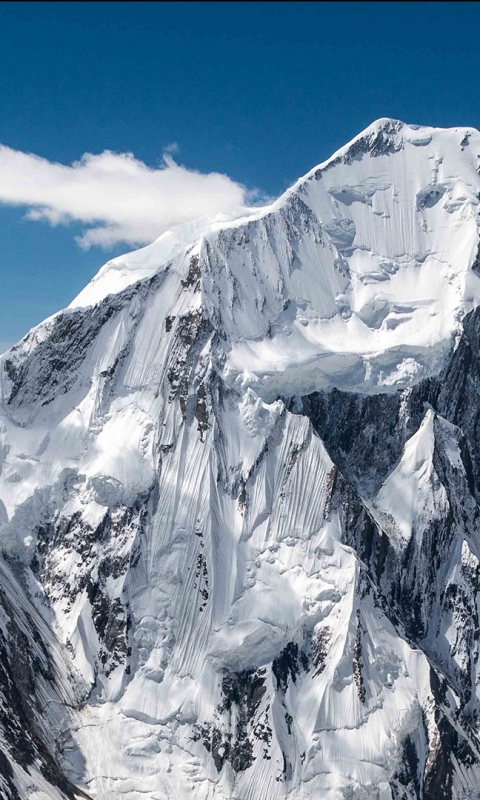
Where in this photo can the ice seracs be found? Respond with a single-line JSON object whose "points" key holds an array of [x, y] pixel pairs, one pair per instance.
{"points": [[239, 483]]}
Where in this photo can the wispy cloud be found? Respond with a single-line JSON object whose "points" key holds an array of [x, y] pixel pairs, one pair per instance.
{"points": [[115, 196]]}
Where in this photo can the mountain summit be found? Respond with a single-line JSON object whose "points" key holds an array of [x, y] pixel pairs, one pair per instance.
{"points": [[239, 501]]}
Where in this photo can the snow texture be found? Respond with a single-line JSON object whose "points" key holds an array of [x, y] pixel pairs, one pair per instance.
{"points": [[239, 485]]}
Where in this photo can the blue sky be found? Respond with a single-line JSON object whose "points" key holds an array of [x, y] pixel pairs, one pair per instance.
{"points": [[260, 92]]}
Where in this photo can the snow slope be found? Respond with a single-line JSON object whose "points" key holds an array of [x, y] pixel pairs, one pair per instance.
{"points": [[238, 489]]}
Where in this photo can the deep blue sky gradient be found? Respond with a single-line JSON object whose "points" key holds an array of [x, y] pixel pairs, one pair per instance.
{"points": [[260, 91]]}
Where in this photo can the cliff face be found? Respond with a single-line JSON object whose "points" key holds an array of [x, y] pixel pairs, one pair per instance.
{"points": [[239, 501]]}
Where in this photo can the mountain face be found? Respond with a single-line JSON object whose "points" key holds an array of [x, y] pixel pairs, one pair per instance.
{"points": [[239, 501]]}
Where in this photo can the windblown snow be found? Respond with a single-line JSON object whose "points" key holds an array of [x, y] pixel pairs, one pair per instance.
{"points": [[239, 482]]}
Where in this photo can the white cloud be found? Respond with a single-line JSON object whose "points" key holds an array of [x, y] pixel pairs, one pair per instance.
{"points": [[117, 197]]}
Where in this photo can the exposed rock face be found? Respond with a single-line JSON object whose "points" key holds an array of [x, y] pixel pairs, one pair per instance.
{"points": [[239, 502]]}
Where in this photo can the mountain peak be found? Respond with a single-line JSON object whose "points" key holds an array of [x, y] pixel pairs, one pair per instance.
{"points": [[239, 483], [358, 277]]}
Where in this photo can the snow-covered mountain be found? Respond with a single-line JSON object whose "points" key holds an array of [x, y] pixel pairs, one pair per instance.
{"points": [[239, 501]]}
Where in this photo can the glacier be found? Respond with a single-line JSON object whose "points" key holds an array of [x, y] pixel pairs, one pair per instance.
{"points": [[239, 501]]}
